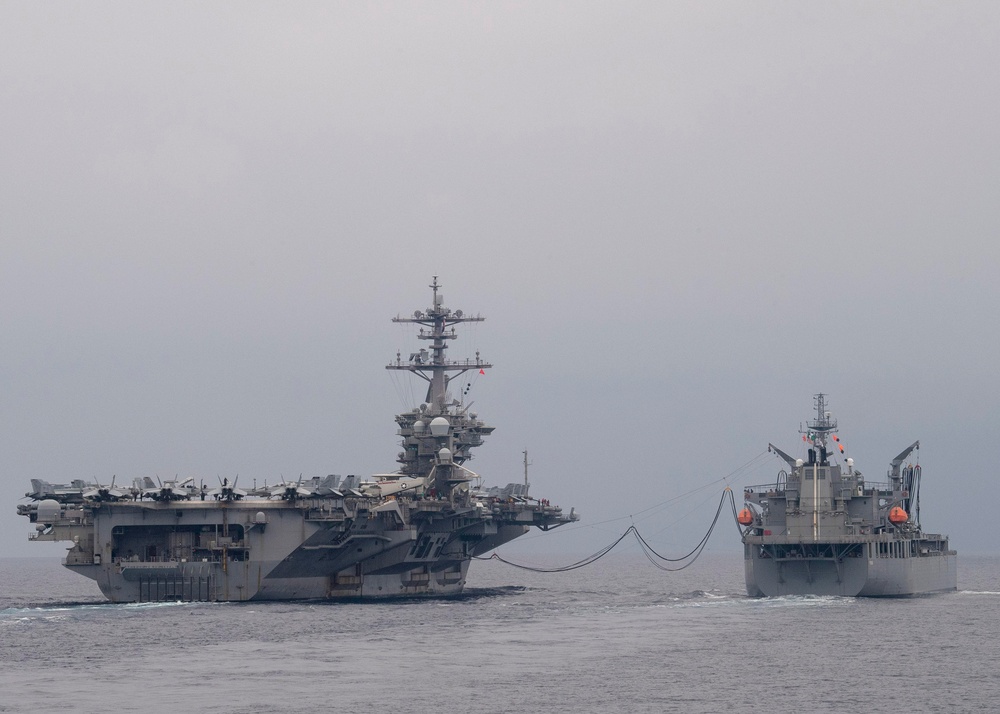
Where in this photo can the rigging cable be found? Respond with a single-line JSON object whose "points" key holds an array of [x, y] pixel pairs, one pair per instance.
{"points": [[647, 549], [565, 568], [649, 552], [755, 462], [736, 516]]}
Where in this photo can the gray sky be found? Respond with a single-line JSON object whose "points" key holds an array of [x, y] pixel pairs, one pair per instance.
{"points": [[681, 220]]}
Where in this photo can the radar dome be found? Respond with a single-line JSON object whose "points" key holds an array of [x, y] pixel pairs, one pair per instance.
{"points": [[444, 456], [419, 426], [48, 511], [439, 426]]}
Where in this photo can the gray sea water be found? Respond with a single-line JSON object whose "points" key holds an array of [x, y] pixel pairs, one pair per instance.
{"points": [[618, 636]]}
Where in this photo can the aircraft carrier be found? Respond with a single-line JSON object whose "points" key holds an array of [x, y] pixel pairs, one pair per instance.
{"points": [[409, 533], [822, 529]]}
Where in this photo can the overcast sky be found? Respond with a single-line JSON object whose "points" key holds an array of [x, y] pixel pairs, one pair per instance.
{"points": [[681, 220]]}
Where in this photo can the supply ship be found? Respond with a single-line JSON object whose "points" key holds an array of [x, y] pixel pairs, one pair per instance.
{"points": [[404, 534], [821, 529]]}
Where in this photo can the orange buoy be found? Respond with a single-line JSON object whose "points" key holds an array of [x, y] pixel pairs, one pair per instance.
{"points": [[897, 516], [745, 517]]}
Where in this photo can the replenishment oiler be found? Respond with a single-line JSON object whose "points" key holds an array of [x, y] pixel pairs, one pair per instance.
{"points": [[404, 534], [821, 529]]}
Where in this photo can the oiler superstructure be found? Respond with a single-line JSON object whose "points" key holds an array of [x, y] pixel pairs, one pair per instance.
{"points": [[404, 534], [822, 529]]}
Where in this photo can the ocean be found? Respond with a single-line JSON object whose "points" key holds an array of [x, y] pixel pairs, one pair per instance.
{"points": [[617, 636]]}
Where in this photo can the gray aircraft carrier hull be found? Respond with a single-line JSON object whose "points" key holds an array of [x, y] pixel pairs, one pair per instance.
{"points": [[148, 552], [207, 582]]}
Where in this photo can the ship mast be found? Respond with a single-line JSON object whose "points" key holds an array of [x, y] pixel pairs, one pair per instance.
{"points": [[818, 430], [433, 367], [439, 434], [816, 434]]}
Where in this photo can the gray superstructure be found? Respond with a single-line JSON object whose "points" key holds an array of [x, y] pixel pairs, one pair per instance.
{"points": [[821, 529], [408, 533]]}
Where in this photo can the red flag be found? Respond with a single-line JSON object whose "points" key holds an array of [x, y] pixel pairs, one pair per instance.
{"points": [[482, 371]]}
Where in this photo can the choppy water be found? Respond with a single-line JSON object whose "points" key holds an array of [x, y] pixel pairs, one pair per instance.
{"points": [[619, 636]]}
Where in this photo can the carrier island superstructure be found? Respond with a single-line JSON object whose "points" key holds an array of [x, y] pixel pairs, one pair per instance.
{"points": [[409, 533], [821, 529]]}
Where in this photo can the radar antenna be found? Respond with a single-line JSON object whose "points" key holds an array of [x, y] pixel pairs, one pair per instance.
{"points": [[822, 426], [437, 326]]}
